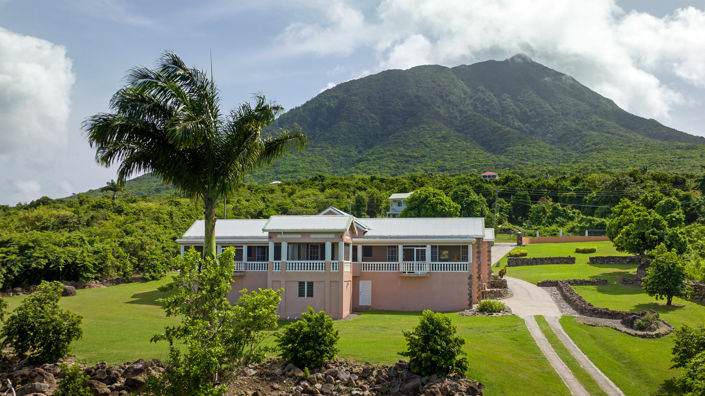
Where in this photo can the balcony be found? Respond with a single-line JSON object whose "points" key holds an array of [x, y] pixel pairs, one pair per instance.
{"points": [[414, 267]]}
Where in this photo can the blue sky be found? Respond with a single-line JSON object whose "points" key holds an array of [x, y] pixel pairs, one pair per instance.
{"points": [[61, 60]]}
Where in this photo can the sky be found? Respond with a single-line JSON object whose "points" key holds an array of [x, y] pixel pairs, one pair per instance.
{"points": [[61, 60]]}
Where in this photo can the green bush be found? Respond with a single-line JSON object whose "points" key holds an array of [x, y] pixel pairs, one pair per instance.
{"points": [[3, 309], [646, 321], [585, 250], [38, 327], [687, 342], [692, 381], [490, 306], [74, 382], [433, 346], [518, 253], [310, 341]]}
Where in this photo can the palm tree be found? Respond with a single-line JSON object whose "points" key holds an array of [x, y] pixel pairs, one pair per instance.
{"points": [[114, 187], [168, 121]]}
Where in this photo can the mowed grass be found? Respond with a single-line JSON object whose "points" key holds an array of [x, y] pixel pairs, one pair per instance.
{"points": [[580, 373], [638, 366], [501, 352], [119, 321], [580, 270]]}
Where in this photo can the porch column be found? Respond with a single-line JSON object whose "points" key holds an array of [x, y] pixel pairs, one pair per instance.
{"points": [[219, 249], [341, 251], [428, 253], [328, 251], [400, 253], [244, 253], [359, 253], [271, 251], [285, 251], [470, 253], [182, 251]]}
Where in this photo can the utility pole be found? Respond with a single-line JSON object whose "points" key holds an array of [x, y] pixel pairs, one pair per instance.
{"points": [[225, 208], [496, 197]]}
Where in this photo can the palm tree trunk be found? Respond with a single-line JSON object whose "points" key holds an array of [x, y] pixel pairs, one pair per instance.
{"points": [[209, 239]]}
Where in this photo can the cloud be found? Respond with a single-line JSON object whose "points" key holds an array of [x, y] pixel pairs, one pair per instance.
{"points": [[625, 56], [328, 86], [26, 190], [35, 89]]}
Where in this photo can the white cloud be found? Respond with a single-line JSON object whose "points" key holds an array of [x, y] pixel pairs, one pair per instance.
{"points": [[35, 88], [26, 190], [328, 86], [624, 56], [66, 187]]}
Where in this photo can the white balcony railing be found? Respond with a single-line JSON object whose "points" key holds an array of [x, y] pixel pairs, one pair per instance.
{"points": [[449, 267], [257, 266], [335, 266], [414, 267], [239, 267], [379, 267], [276, 266], [347, 266], [306, 266]]}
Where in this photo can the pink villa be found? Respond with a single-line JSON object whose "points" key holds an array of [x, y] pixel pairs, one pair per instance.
{"points": [[338, 263]]}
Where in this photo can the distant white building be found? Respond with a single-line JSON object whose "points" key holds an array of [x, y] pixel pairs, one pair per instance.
{"points": [[397, 203], [490, 176]]}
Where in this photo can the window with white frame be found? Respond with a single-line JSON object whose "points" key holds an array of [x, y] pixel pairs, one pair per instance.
{"points": [[464, 253], [306, 289], [392, 254]]}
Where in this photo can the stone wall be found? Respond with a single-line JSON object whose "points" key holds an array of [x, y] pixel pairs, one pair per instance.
{"points": [[521, 261], [573, 282], [563, 239], [698, 294], [497, 284], [583, 307], [614, 260]]}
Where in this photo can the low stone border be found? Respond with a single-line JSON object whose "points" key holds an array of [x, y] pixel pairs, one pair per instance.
{"points": [[602, 316], [663, 330], [698, 294], [614, 260], [522, 261], [573, 282]]}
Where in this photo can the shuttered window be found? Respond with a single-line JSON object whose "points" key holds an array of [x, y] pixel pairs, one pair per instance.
{"points": [[306, 289]]}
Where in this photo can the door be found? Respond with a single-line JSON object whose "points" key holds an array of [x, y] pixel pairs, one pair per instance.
{"points": [[365, 293]]}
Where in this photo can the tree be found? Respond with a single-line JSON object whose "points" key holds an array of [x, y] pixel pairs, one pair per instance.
{"points": [[471, 204], [665, 276], [429, 202], [212, 336], [38, 327], [3, 309], [636, 229], [375, 203], [114, 187], [309, 342], [521, 203], [168, 121], [433, 346], [359, 205]]}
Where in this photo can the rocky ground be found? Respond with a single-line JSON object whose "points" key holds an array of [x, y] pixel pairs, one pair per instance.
{"points": [[341, 377], [42, 380]]}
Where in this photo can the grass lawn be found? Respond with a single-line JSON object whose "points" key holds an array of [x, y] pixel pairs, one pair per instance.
{"points": [[118, 322], [500, 350], [580, 270], [583, 376], [499, 237]]}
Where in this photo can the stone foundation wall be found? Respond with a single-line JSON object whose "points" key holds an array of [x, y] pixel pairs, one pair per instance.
{"points": [[573, 282], [583, 307], [497, 284], [522, 261], [614, 260]]}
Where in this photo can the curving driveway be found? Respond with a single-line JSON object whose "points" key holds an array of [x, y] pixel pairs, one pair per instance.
{"points": [[529, 300]]}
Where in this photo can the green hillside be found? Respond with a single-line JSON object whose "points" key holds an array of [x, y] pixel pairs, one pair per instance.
{"points": [[513, 114]]}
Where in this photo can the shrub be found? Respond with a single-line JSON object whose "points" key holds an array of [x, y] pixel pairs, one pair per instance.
{"points": [[585, 250], [74, 382], [212, 336], [645, 322], [40, 328], [310, 341], [490, 306], [518, 253], [687, 343], [692, 381], [433, 347]]}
